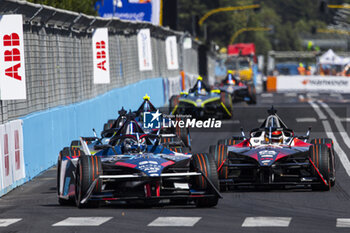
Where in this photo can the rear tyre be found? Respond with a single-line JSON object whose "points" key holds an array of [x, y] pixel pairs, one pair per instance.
{"points": [[227, 142], [171, 141], [75, 144], [110, 123], [183, 150], [88, 169], [219, 154], [184, 135], [173, 101], [320, 156], [252, 94], [205, 164]]}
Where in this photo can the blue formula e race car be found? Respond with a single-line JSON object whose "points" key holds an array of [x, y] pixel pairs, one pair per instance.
{"points": [[133, 167], [174, 138], [201, 102], [274, 156]]}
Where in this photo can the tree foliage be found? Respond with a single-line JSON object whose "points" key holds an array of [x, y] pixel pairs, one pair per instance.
{"points": [[287, 19], [82, 6]]}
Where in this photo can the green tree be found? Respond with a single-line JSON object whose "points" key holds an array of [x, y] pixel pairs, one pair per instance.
{"points": [[82, 6]]}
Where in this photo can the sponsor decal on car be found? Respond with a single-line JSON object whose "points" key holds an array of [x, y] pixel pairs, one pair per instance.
{"points": [[267, 153]]}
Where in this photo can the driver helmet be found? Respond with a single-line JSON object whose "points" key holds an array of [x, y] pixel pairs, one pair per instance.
{"points": [[131, 146], [230, 78], [200, 90], [276, 137]]}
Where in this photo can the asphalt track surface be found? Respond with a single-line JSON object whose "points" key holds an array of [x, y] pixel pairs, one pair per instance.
{"points": [[33, 207]]}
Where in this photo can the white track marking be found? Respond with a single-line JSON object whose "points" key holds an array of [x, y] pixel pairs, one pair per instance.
{"points": [[306, 119], [343, 222], [236, 122], [266, 222], [4, 222], [291, 94], [341, 154], [174, 222], [327, 127], [345, 119], [266, 95], [338, 124], [83, 221], [317, 109]]}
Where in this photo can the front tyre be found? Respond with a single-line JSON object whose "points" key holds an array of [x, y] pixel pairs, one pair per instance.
{"points": [[252, 94], [226, 104], [173, 102], [320, 156], [219, 154], [88, 169], [204, 164], [330, 144]]}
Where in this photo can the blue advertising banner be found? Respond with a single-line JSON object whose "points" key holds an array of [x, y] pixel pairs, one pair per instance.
{"points": [[134, 10]]}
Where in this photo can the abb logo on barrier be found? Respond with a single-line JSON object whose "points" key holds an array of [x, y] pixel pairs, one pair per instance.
{"points": [[12, 54], [101, 54], [12, 58]]}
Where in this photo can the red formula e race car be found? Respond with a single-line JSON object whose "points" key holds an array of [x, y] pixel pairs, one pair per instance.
{"points": [[272, 155]]}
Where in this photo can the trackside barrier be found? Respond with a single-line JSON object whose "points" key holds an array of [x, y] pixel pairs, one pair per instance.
{"points": [[308, 83], [66, 55], [12, 165], [46, 133], [172, 86]]}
